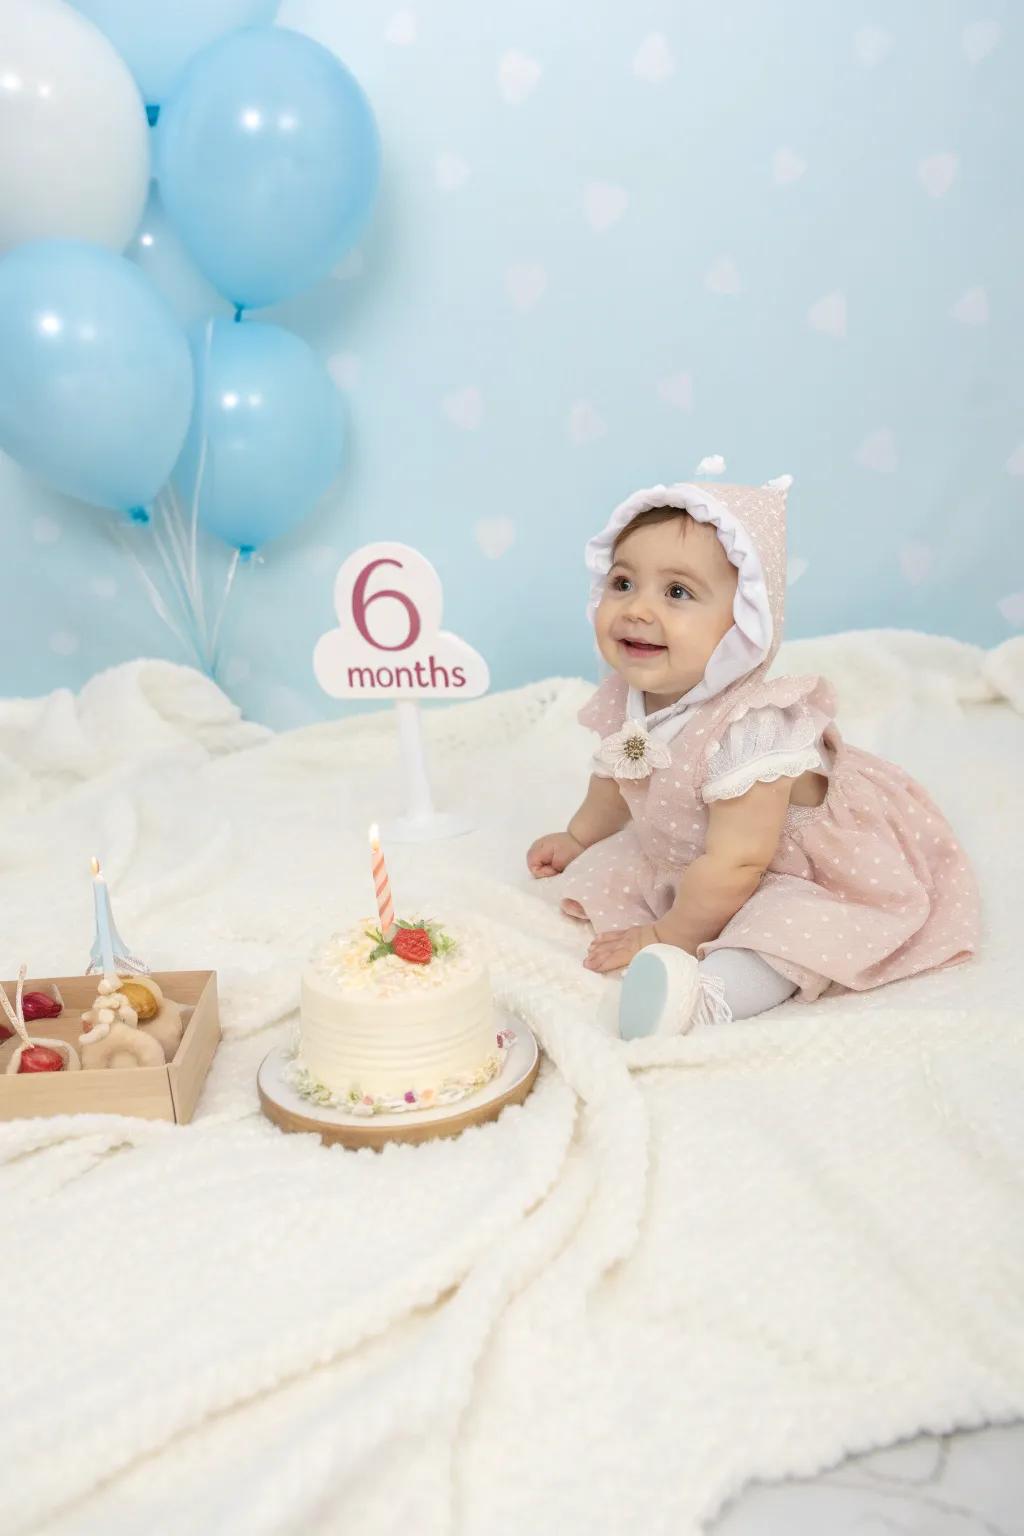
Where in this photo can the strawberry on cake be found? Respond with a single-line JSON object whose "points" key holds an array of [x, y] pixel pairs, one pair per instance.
{"points": [[398, 1021]]}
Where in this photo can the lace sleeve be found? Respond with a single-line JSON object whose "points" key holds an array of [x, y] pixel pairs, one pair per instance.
{"points": [[765, 744]]}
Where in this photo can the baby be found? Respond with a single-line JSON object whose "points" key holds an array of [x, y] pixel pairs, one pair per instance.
{"points": [[732, 849]]}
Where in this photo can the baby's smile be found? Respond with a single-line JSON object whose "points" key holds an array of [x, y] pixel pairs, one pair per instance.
{"points": [[666, 605], [640, 650]]}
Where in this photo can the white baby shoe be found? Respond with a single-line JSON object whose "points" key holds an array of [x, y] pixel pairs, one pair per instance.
{"points": [[664, 993]]}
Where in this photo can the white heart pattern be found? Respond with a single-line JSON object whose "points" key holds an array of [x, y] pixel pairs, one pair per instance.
{"points": [[828, 315], [677, 390], [878, 452], [787, 166], [450, 172], [796, 566], [402, 29], [585, 424], [1012, 609], [654, 59], [723, 276], [972, 307], [872, 45], [464, 408], [604, 204], [979, 39], [937, 173], [526, 285], [287, 706], [494, 536], [518, 75], [1015, 463], [916, 563]]}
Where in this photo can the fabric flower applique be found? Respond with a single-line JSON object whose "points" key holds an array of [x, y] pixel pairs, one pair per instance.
{"points": [[631, 753]]}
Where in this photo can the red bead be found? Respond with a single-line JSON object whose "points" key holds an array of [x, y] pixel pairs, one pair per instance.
{"points": [[40, 1058], [38, 1005]]}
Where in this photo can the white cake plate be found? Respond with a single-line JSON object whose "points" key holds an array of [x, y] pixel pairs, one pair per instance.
{"points": [[288, 1110]]}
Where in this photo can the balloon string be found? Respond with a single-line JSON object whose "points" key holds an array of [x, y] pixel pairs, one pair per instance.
{"points": [[166, 507], [179, 588], [200, 471], [176, 530], [229, 583], [180, 594], [159, 607], [192, 580], [173, 525]]}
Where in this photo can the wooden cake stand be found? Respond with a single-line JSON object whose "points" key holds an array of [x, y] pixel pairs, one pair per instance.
{"points": [[288, 1110]]}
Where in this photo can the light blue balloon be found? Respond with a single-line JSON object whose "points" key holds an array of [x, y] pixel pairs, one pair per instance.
{"points": [[268, 160], [274, 428], [95, 373], [156, 40]]}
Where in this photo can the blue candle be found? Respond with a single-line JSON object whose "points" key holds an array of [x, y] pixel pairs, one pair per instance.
{"points": [[104, 922]]}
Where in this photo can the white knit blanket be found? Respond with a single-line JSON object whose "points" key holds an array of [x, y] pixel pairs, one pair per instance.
{"points": [[679, 1266]]}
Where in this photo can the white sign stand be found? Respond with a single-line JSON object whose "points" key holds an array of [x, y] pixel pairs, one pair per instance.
{"points": [[421, 823], [399, 651]]}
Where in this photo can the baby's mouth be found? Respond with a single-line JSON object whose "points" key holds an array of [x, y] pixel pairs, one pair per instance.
{"points": [[641, 650]]}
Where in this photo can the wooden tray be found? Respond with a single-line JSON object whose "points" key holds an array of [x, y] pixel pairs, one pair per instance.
{"points": [[169, 1092], [281, 1104]]}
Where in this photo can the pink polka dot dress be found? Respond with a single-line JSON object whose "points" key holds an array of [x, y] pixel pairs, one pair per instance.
{"points": [[868, 887]]}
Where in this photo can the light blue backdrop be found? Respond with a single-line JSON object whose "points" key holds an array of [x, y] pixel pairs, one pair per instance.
{"points": [[612, 239]]}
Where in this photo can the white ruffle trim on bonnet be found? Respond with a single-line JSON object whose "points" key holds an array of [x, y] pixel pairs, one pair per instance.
{"points": [[749, 640]]}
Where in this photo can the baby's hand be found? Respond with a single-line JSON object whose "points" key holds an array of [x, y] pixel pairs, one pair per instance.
{"points": [[611, 951], [551, 854]]}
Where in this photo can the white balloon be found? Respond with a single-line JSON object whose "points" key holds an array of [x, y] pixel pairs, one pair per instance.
{"points": [[74, 139]]}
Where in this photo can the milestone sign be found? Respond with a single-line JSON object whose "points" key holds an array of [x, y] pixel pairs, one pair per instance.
{"points": [[389, 643]]}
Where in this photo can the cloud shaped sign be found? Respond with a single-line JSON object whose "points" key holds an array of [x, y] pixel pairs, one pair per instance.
{"points": [[389, 643]]}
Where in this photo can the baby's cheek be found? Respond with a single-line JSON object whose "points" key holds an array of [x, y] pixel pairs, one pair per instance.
{"points": [[695, 636], [603, 617], [605, 644]]}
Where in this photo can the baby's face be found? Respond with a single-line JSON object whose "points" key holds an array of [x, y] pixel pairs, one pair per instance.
{"points": [[667, 603]]}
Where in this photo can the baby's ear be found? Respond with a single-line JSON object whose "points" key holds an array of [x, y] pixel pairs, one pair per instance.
{"points": [[780, 483]]}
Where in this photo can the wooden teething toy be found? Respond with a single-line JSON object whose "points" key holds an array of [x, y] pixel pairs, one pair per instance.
{"points": [[112, 1035], [158, 1016]]}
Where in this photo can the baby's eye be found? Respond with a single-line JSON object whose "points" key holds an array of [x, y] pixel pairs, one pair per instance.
{"points": [[678, 592], [621, 583]]}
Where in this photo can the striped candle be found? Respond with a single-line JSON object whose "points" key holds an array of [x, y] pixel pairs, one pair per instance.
{"points": [[381, 884]]}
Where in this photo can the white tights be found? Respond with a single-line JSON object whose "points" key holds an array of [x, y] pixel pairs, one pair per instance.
{"points": [[751, 985]]}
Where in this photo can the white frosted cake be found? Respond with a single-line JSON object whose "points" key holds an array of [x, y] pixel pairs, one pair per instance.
{"points": [[400, 1025]]}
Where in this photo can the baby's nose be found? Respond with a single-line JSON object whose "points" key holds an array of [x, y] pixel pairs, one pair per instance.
{"points": [[639, 607]]}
